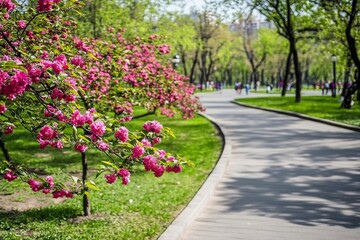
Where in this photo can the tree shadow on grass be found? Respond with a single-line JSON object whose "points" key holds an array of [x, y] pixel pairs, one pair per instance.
{"points": [[52, 213]]}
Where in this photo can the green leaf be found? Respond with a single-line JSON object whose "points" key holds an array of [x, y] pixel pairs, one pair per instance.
{"points": [[75, 179], [91, 184], [5, 66], [110, 164], [99, 172]]}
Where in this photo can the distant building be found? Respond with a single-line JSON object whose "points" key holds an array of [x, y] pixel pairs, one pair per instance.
{"points": [[251, 26]]}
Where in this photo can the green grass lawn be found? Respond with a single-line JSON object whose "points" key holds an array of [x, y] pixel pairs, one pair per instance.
{"points": [[325, 107], [140, 210]]}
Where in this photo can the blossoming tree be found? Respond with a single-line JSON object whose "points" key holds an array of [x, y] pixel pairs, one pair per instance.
{"points": [[53, 83]]}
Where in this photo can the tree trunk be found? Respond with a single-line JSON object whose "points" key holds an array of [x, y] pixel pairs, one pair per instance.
{"points": [[286, 75], [192, 70], [298, 82], [86, 200], [352, 43], [4, 150]]}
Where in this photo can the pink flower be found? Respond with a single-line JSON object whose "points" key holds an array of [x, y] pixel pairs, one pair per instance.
{"points": [[102, 146], [158, 170], [110, 178], [161, 153], [46, 190], [58, 194], [175, 169], [62, 193], [21, 24], [44, 55], [57, 94], [98, 128], [146, 142], [35, 185], [149, 162], [10, 175], [77, 119], [153, 126], [137, 151], [44, 5], [156, 140], [46, 132], [122, 134], [8, 130], [50, 180], [70, 98], [57, 144], [80, 147], [164, 48], [126, 119], [78, 61], [125, 175], [49, 111], [44, 143], [8, 4], [16, 86], [89, 117]]}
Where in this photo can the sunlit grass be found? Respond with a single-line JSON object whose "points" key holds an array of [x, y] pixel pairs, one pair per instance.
{"points": [[325, 107]]}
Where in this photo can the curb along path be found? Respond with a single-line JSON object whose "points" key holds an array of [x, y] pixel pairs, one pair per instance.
{"points": [[287, 178]]}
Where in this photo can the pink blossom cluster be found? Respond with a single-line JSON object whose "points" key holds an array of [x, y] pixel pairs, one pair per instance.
{"points": [[21, 24], [98, 128], [164, 48], [9, 129], [122, 134], [123, 173], [78, 61], [10, 175], [46, 5], [152, 163], [47, 136], [8, 4], [137, 151], [51, 111], [80, 147], [59, 64], [13, 86], [153, 126], [127, 108], [47, 187], [78, 119]]}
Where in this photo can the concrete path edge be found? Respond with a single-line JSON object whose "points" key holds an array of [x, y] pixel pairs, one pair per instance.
{"points": [[177, 228], [303, 116]]}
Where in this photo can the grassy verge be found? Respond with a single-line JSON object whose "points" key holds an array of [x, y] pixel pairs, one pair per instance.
{"points": [[140, 210], [325, 107]]}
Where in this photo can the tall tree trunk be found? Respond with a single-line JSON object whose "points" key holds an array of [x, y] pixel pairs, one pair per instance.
{"points": [[286, 75], [352, 42], [298, 82], [192, 70]]}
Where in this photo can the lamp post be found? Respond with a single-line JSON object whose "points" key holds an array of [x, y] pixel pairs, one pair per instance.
{"points": [[175, 61], [334, 59]]}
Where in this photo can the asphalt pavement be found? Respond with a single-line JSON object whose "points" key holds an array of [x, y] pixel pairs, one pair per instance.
{"points": [[280, 177]]}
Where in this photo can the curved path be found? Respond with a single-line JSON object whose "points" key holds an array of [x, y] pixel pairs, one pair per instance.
{"points": [[286, 178]]}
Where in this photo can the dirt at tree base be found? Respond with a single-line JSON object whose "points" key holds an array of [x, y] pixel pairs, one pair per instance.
{"points": [[20, 202]]}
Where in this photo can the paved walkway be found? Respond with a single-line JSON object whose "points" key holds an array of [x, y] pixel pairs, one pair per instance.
{"points": [[286, 178]]}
